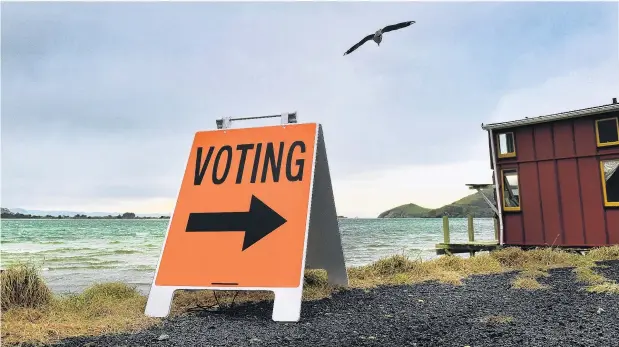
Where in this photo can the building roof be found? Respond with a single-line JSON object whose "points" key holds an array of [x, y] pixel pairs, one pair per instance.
{"points": [[553, 117]]}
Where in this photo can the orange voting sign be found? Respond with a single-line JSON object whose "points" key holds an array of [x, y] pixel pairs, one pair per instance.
{"points": [[243, 214]]}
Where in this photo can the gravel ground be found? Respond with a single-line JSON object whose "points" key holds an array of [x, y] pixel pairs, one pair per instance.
{"points": [[609, 269], [427, 314]]}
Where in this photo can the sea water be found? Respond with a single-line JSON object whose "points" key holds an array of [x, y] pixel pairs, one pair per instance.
{"points": [[74, 253]]}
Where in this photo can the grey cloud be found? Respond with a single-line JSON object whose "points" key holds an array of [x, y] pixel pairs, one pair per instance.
{"points": [[102, 99]]}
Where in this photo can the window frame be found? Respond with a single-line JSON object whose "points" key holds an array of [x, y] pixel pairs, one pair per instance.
{"points": [[597, 132], [510, 208], [603, 179], [498, 144]]}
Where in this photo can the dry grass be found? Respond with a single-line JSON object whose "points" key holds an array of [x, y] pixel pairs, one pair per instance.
{"points": [[544, 258], [527, 279], [604, 253], [586, 274], [102, 308], [529, 283], [607, 287], [115, 307], [23, 287], [598, 283]]}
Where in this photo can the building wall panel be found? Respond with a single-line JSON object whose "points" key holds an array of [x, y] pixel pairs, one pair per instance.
{"points": [[513, 223], [563, 139], [533, 223], [591, 201], [584, 136], [570, 202], [549, 192], [525, 149], [612, 226], [544, 148]]}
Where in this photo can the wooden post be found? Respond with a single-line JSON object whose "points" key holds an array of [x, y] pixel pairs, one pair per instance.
{"points": [[496, 229], [445, 229], [471, 230]]}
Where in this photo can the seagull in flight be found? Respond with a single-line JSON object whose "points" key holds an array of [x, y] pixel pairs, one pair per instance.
{"points": [[378, 35]]}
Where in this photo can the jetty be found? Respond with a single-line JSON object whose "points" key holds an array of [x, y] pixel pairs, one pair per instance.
{"points": [[472, 246]]}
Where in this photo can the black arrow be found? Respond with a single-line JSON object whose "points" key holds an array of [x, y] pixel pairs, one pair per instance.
{"points": [[257, 223]]}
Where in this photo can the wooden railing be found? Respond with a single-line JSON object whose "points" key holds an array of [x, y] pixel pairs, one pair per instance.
{"points": [[446, 247], [470, 229]]}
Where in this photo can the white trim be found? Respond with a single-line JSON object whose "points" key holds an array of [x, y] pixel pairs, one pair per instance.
{"points": [[553, 117], [497, 184]]}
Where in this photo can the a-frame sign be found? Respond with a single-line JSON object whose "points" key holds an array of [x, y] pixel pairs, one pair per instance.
{"points": [[255, 208]]}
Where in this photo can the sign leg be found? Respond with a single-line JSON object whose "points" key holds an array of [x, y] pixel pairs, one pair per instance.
{"points": [[159, 301], [287, 304], [337, 275], [324, 244]]}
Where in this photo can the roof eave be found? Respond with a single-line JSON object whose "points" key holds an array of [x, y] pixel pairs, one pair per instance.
{"points": [[552, 117]]}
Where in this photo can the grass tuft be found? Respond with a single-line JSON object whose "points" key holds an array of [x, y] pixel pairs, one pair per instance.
{"points": [[606, 287], [510, 257], [527, 279], [100, 309], [586, 274], [111, 290], [604, 253], [23, 287], [529, 283], [32, 314], [392, 265]]}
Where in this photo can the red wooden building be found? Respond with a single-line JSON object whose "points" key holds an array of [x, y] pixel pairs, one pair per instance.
{"points": [[558, 178]]}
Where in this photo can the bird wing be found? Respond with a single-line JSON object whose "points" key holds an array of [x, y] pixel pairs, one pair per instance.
{"points": [[397, 26], [365, 39]]}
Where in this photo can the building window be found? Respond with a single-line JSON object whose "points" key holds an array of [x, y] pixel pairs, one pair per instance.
{"points": [[610, 181], [507, 145], [511, 190], [607, 131]]}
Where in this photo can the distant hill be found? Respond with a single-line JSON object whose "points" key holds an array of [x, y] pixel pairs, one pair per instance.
{"points": [[18, 214], [73, 213], [406, 211], [473, 204]]}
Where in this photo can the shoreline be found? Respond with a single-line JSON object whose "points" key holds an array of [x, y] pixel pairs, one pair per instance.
{"points": [[115, 308], [78, 253]]}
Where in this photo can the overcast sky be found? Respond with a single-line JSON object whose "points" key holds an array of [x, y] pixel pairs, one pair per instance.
{"points": [[100, 101]]}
